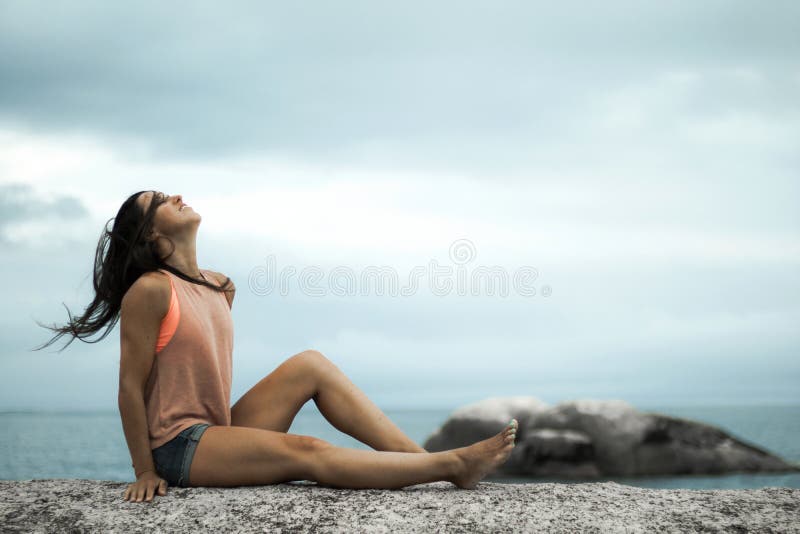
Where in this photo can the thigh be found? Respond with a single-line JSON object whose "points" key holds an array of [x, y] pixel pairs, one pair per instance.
{"points": [[243, 456], [273, 402]]}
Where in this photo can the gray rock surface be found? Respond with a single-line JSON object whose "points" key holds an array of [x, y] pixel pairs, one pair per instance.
{"points": [[583, 439], [95, 506]]}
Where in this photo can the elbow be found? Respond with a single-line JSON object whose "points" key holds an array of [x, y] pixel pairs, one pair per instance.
{"points": [[130, 402], [129, 392]]}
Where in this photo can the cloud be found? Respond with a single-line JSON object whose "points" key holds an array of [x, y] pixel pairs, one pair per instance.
{"points": [[458, 86], [18, 202], [24, 213]]}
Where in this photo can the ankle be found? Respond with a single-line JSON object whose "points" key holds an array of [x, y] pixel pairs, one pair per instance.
{"points": [[456, 465]]}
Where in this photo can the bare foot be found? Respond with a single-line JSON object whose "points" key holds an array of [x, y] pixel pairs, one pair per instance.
{"points": [[480, 458]]}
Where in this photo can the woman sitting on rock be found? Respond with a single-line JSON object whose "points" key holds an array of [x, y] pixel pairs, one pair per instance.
{"points": [[176, 339]]}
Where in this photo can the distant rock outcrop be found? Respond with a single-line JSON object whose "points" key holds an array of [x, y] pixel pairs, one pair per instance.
{"points": [[598, 438]]}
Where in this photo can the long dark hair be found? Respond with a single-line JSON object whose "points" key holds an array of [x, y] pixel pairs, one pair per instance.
{"points": [[129, 254]]}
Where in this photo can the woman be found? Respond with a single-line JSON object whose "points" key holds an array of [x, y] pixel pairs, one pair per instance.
{"points": [[176, 339]]}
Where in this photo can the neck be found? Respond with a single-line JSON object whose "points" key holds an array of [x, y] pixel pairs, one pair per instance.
{"points": [[185, 260], [189, 268]]}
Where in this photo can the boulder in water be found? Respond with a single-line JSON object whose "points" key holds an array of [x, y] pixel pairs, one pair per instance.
{"points": [[597, 438]]}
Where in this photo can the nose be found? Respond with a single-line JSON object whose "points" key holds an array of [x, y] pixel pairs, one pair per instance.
{"points": [[179, 198]]}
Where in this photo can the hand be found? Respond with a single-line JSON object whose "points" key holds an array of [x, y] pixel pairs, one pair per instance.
{"points": [[146, 485]]}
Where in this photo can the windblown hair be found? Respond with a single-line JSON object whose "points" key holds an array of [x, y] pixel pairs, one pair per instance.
{"points": [[122, 256]]}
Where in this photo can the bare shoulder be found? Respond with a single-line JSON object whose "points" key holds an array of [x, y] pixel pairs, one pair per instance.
{"points": [[220, 279], [150, 293]]}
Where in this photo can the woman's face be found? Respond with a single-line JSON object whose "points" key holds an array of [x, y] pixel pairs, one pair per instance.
{"points": [[172, 215]]}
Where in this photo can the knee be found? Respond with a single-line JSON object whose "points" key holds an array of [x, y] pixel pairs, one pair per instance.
{"points": [[313, 369], [309, 453], [314, 358], [309, 444], [300, 455]]}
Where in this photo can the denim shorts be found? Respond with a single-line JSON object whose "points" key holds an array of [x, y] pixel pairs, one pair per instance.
{"points": [[174, 458]]}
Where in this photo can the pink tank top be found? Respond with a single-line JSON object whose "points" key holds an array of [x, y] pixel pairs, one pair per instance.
{"points": [[190, 381]]}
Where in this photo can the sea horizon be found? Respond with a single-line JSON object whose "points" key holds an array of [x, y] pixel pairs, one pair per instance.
{"points": [[97, 449]]}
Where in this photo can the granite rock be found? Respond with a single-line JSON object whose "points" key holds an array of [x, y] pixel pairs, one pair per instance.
{"points": [[585, 439], [97, 506]]}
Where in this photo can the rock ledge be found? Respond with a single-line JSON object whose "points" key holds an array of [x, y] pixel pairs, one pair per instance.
{"points": [[97, 506]]}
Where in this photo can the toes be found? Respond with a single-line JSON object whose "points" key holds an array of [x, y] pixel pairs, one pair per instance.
{"points": [[510, 432]]}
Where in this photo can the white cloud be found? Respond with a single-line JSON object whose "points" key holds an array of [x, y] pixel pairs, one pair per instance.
{"points": [[338, 214], [746, 131]]}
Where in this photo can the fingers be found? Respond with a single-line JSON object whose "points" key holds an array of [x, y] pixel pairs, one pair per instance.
{"points": [[147, 491], [144, 492]]}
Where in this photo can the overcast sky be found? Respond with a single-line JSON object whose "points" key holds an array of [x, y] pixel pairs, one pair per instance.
{"points": [[642, 160]]}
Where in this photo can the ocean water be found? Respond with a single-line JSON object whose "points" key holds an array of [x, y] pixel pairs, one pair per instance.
{"points": [[91, 445]]}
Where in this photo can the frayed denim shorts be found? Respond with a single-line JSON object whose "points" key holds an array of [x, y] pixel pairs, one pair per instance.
{"points": [[174, 458]]}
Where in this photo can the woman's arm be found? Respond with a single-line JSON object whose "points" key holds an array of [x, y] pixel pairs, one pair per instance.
{"points": [[143, 307]]}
